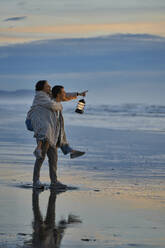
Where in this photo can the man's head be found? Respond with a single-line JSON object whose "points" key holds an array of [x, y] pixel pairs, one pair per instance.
{"points": [[43, 85], [58, 92]]}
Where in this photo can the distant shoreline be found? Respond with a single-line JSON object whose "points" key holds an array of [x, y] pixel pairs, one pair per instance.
{"points": [[14, 93]]}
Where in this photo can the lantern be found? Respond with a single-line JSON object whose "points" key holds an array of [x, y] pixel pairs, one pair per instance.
{"points": [[80, 106]]}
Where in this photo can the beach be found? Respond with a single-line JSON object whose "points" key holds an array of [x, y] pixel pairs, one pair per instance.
{"points": [[120, 197]]}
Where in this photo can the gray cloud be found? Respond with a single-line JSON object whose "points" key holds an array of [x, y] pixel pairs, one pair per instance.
{"points": [[123, 67], [21, 3], [16, 18], [107, 53]]}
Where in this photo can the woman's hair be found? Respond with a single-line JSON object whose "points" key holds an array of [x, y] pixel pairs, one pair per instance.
{"points": [[40, 85], [56, 89]]}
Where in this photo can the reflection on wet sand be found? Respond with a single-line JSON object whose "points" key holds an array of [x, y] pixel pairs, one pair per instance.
{"points": [[46, 233]]}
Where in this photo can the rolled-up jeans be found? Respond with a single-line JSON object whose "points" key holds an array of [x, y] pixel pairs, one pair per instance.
{"points": [[52, 154], [66, 149]]}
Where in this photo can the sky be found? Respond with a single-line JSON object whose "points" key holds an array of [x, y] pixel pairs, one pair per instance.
{"points": [[115, 49], [34, 20]]}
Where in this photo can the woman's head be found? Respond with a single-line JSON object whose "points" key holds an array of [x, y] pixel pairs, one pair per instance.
{"points": [[43, 85], [58, 92]]}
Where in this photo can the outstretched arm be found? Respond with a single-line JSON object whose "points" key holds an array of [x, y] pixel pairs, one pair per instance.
{"points": [[70, 96], [73, 95]]}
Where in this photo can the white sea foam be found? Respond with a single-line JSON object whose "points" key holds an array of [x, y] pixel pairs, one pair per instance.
{"points": [[128, 116]]}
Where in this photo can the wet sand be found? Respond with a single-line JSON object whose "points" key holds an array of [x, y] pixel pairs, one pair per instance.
{"points": [[102, 214], [120, 200]]}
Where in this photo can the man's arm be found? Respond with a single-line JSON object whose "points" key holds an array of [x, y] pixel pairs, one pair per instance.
{"points": [[70, 96], [73, 95]]}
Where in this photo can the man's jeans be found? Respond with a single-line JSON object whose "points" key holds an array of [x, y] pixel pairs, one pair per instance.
{"points": [[52, 160]]}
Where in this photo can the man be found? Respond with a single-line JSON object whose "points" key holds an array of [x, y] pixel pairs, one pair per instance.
{"points": [[48, 124]]}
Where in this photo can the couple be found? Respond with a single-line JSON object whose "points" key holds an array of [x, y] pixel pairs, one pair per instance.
{"points": [[47, 122]]}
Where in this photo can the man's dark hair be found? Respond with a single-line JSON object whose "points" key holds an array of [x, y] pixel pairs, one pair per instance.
{"points": [[40, 85], [56, 89]]}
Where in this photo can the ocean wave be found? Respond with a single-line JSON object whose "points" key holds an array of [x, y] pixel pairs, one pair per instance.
{"points": [[128, 116], [127, 109]]}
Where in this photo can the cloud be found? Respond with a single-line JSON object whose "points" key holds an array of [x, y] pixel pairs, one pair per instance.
{"points": [[82, 30], [140, 27], [120, 67], [16, 18], [107, 53], [21, 3]]}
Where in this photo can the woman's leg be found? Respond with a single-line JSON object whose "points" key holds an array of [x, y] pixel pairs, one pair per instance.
{"points": [[39, 145], [73, 153], [65, 148], [38, 151]]}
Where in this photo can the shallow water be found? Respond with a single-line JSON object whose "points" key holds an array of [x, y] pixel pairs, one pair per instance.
{"points": [[106, 217]]}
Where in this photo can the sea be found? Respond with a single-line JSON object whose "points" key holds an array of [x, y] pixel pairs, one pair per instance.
{"points": [[121, 177]]}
